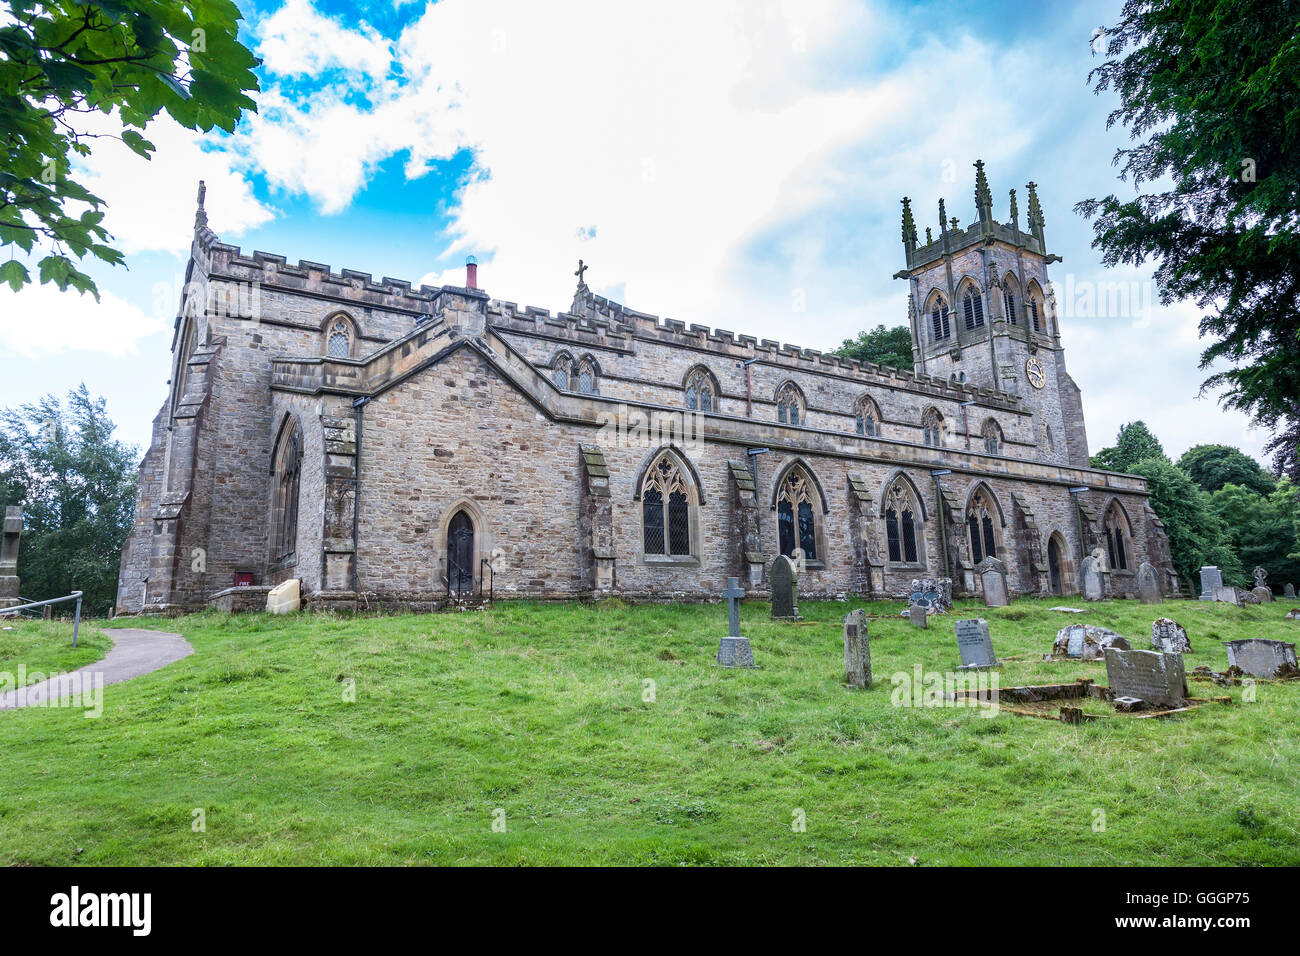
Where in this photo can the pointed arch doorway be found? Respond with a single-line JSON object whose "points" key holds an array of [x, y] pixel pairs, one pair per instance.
{"points": [[460, 555]]}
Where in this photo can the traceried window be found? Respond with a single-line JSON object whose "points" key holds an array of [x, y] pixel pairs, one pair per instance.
{"points": [[867, 419], [340, 340], [586, 376], [284, 511], [902, 527], [972, 306], [796, 516], [932, 428], [701, 394], [666, 502], [1117, 548], [561, 371], [940, 324], [992, 436], [980, 528], [789, 405]]}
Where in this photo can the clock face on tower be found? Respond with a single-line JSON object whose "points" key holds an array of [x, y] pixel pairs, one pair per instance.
{"points": [[1036, 373]]}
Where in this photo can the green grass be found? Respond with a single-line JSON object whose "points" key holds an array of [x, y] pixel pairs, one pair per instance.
{"points": [[538, 710], [43, 648]]}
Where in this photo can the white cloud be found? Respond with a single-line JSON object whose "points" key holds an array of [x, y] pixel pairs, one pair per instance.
{"points": [[298, 40], [40, 321]]}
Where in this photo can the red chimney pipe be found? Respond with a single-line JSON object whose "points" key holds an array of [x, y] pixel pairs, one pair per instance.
{"points": [[471, 272]]}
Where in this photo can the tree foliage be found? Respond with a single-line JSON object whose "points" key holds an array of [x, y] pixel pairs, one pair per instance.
{"points": [[1213, 466], [1262, 529], [884, 346], [1210, 92], [1197, 537], [77, 487], [63, 60], [1133, 444]]}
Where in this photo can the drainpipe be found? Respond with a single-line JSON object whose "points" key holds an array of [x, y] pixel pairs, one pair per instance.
{"points": [[965, 421], [943, 533], [357, 406]]}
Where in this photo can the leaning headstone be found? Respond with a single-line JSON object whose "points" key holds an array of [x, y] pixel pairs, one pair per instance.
{"points": [[1086, 642], [734, 650], [1211, 581], [1156, 679], [1288, 590], [784, 590], [1260, 658], [918, 616], [993, 578], [1169, 636], [1248, 597], [1228, 595], [1148, 584], [1094, 582], [974, 643], [857, 650], [10, 532]]}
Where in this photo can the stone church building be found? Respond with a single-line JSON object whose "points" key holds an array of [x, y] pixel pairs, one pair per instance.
{"points": [[390, 445]]}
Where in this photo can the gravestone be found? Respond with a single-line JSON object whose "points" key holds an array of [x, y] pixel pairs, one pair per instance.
{"points": [[1249, 597], [993, 579], [974, 643], [284, 598], [1261, 589], [918, 616], [1228, 595], [1211, 581], [1094, 581], [1148, 584], [734, 650], [1169, 636], [857, 650], [10, 532], [1086, 642], [1293, 614], [1156, 679], [785, 584], [1289, 590], [1260, 658]]}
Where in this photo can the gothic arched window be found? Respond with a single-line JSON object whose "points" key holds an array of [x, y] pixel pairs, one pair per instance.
{"points": [[338, 344], [980, 527], [561, 371], [1011, 296], [667, 500], [902, 524], [940, 325], [287, 470], [796, 515], [586, 376], [972, 306], [932, 428], [789, 404], [867, 419], [992, 436], [701, 391], [1117, 537], [1034, 305]]}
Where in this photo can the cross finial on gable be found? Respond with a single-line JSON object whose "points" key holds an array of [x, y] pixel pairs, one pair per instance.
{"points": [[582, 268]]}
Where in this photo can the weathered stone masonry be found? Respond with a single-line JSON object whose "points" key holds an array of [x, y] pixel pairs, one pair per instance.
{"points": [[400, 446]]}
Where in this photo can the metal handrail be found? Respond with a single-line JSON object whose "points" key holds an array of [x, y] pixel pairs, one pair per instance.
{"points": [[492, 579], [76, 620]]}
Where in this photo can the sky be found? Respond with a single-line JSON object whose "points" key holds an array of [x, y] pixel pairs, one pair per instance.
{"points": [[737, 165]]}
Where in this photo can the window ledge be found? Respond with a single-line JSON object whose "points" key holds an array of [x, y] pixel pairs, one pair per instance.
{"points": [[670, 560]]}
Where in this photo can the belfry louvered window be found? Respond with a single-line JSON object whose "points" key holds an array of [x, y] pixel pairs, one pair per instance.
{"points": [[973, 309], [939, 321]]}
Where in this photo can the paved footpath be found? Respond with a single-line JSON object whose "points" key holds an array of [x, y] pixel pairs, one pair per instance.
{"points": [[135, 652]]}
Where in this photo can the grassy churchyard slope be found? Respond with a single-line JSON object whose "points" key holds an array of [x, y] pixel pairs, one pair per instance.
{"points": [[539, 711]]}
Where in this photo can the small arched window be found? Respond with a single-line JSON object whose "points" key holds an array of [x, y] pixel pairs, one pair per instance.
{"points": [[561, 371], [789, 405], [339, 342], [1117, 537], [284, 510], [972, 305], [1011, 296], [992, 435], [667, 498], [586, 376], [980, 527], [902, 524], [932, 428], [940, 324], [1034, 306], [701, 392], [867, 419], [796, 515]]}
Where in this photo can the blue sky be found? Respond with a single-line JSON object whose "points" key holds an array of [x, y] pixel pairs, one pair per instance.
{"points": [[717, 163]]}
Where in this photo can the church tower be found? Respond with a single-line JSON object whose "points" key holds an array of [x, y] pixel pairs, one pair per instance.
{"points": [[981, 310]]}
